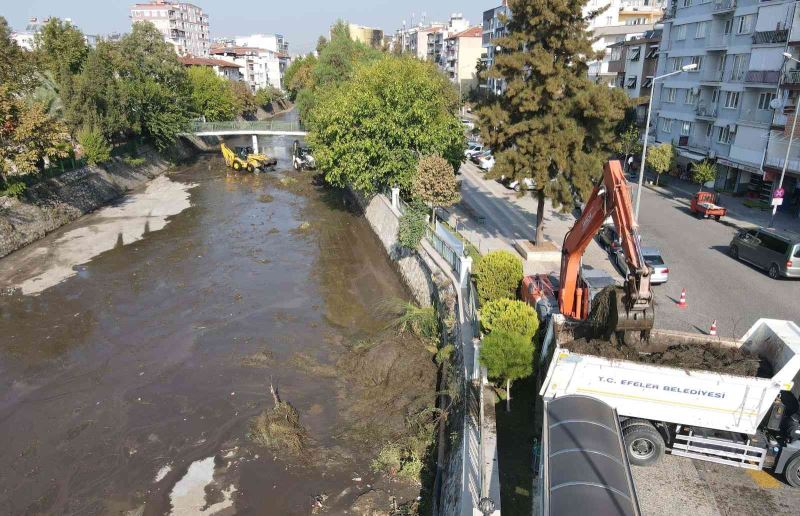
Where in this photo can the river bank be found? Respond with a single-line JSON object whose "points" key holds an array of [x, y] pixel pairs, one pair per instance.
{"points": [[55, 202]]}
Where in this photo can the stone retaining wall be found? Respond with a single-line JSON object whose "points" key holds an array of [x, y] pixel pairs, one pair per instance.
{"points": [[51, 204]]}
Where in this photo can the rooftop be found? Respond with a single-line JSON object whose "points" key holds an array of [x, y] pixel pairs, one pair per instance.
{"points": [[206, 61], [472, 32]]}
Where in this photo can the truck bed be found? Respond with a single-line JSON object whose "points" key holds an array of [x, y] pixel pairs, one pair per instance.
{"points": [[699, 398]]}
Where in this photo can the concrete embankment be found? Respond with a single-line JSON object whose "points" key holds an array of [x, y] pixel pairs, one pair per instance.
{"points": [[53, 203]]}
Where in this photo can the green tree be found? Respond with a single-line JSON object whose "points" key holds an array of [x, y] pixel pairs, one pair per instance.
{"points": [[96, 98], [17, 70], [298, 75], [96, 148], [552, 124], [154, 84], [498, 275], [338, 59], [28, 135], [704, 172], [246, 104], [627, 143], [212, 96], [61, 49], [660, 159], [507, 357], [435, 183], [371, 132], [321, 42], [268, 95], [509, 316]]}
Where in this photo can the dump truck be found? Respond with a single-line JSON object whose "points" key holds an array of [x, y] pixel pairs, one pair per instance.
{"points": [[734, 402], [745, 421]]}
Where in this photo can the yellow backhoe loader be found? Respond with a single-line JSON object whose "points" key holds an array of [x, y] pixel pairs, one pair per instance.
{"points": [[244, 159]]}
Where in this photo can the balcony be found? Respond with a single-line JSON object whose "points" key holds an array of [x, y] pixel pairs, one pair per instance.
{"points": [[706, 112], [770, 37], [617, 66], [711, 76], [718, 42], [760, 77], [791, 78], [724, 6], [756, 117]]}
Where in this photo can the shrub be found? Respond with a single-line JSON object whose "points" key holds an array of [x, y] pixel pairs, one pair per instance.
{"points": [[134, 162], [509, 316], [15, 189], [96, 148], [507, 357], [498, 275], [412, 226]]}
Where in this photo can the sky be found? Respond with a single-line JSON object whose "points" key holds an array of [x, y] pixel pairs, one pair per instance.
{"points": [[301, 21]]}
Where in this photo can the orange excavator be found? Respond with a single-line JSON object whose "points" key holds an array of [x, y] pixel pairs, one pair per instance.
{"points": [[631, 308]]}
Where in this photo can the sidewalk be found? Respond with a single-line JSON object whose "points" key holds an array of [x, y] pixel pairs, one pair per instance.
{"points": [[738, 215]]}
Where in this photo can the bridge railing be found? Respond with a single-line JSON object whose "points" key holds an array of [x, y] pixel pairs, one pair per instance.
{"points": [[244, 125]]}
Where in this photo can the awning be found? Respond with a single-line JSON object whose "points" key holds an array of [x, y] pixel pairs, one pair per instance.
{"points": [[740, 166], [691, 155]]}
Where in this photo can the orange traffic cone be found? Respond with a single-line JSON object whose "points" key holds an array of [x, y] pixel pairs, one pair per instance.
{"points": [[682, 301], [713, 330]]}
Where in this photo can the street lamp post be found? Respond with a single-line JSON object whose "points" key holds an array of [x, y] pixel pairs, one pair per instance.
{"points": [[647, 132], [788, 56]]}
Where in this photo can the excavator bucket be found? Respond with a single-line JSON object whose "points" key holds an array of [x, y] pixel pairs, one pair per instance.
{"points": [[610, 313]]}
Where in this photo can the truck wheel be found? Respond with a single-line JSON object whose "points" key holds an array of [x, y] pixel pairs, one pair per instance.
{"points": [[792, 471], [734, 251], [643, 443], [237, 166], [251, 168]]}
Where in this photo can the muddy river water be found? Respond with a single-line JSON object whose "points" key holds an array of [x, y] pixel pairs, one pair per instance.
{"points": [[137, 344]]}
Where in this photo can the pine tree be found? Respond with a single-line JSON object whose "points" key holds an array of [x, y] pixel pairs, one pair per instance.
{"points": [[552, 124]]}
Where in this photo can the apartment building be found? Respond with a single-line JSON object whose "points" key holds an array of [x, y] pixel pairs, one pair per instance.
{"points": [[622, 20], [183, 25], [462, 52], [457, 23], [260, 67], [367, 35], [225, 69], [494, 27], [724, 110], [635, 63]]}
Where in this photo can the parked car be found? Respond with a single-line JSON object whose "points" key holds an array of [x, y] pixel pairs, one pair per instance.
{"points": [[653, 259], [469, 124], [472, 149], [475, 158], [486, 162], [608, 237], [774, 250], [516, 185]]}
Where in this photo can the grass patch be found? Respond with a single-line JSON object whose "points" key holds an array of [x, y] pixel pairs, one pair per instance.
{"points": [[756, 204], [133, 161]]}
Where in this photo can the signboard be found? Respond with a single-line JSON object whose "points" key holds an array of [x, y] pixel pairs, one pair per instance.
{"points": [[777, 201], [778, 193]]}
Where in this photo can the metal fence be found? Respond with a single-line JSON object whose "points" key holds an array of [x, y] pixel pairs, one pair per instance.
{"points": [[445, 251], [244, 125]]}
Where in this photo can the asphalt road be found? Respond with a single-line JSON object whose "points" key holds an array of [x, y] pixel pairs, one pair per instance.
{"points": [[718, 287]]}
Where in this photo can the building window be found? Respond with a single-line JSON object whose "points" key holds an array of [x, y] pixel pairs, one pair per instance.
{"points": [[691, 96], [635, 51], [680, 32], [764, 100], [669, 94], [739, 67], [647, 82], [731, 99], [745, 24], [686, 128], [715, 96], [726, 135], [697, 60], [674, 64], [709, 130], [666, 125], [652, 53], [686, 3], [702, 27], [728, 27], [631, 82], [616, 54]]}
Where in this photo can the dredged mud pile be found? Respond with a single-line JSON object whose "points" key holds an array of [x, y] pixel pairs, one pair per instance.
{"points": [[708, 356]]}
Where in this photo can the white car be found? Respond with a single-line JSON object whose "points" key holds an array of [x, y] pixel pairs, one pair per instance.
{"points": [[652, 257], [473, 149], [486, 162], [469, 124], [516, 184]]}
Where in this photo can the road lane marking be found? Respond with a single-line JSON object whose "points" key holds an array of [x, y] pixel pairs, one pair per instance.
{"points": [[763, 479]]}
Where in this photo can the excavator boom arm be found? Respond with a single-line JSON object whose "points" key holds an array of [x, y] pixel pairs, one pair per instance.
{"points": [[609, 197]]}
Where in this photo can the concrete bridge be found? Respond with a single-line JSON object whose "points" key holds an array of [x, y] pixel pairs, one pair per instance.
{"points": [[244, 128]]}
